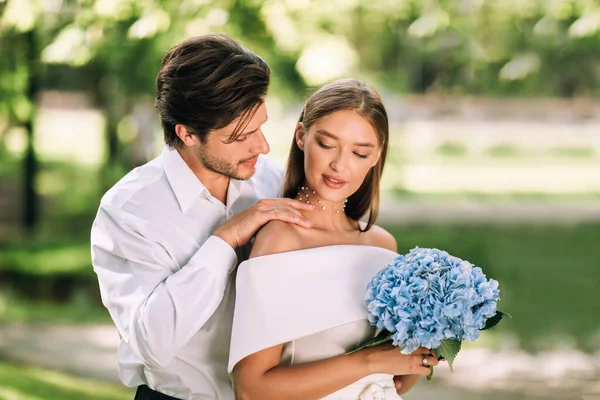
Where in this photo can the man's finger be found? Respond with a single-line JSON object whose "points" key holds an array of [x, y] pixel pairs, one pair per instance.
{"points": [[291, 218], [299, 205]]}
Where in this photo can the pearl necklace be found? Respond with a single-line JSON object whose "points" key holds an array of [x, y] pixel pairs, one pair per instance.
{"points": [[306, 195]]}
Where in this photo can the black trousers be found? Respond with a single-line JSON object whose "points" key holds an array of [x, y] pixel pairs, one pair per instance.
{"points": [[145, 393]]}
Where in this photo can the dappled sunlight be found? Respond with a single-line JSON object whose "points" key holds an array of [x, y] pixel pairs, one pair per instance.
{"points": [[70, 47], [149, 25], [331, 58], [18, 14], [70, 135], [587, 25], [16, 141], [429, 23]]}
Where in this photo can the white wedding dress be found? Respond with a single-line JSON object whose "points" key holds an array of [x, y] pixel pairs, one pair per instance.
{"points": [[312, 302]]}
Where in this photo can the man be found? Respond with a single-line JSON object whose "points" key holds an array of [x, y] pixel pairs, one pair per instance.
{"points": [[168, 235]]}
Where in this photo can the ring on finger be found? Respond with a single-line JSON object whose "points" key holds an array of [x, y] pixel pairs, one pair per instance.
{"points": [[425, 361]]}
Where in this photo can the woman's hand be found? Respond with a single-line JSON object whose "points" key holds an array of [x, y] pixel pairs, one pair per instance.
{"points": [[387, 359]]}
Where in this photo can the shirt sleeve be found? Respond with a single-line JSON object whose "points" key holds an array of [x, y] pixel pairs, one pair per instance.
{"points": [[156, 305]]}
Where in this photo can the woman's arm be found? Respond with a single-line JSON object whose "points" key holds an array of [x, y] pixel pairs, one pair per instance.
{"points": [[260, 376]]}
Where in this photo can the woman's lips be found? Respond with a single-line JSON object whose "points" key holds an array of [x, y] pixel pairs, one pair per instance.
{"points": [[333, 182]]}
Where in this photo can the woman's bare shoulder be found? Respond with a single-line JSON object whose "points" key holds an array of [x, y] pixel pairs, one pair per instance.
{"points": [[379, 237], [276, 237]]}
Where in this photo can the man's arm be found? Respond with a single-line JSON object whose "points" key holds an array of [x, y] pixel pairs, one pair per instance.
{"points": [[156, 305]]}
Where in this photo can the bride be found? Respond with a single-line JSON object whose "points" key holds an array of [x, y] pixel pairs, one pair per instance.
{"points": [[300, 297]]}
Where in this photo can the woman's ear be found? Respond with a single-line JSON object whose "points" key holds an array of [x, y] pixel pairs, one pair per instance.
{"points": [[184, 134], [300, 135]]}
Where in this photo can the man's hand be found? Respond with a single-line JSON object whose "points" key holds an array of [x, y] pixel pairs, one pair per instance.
{"points": [[242, 227]]}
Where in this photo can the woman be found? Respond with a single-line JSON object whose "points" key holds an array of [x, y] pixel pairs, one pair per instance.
{"points": [[299, 306]]}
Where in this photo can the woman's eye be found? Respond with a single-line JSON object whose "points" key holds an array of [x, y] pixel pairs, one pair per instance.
{"points": [[323, 145], [242, 139], [361, 155]]}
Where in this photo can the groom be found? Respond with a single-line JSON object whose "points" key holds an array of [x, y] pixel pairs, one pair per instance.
{"points": [[168, 235]]}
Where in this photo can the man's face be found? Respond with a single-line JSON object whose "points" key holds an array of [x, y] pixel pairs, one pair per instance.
{"points": [[236, 159]]}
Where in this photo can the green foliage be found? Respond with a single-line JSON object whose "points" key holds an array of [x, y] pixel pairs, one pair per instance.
{"points": [[33, 258], [493, 321], [448, 349], [382, 337], [529, 48]]}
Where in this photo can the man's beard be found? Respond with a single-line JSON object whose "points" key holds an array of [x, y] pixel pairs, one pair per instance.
{"points": [[222, 167]]}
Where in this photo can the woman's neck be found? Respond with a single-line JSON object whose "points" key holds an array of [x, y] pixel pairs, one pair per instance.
{"points": [[327, 215]]}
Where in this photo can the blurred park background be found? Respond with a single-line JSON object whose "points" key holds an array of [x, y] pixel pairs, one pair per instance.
{"points": [[495, 157]]}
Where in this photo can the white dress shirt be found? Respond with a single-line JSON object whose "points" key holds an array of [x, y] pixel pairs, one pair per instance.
{"points": [[166, 281]]}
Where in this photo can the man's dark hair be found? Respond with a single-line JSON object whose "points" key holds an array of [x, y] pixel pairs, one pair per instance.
{"points": [[206, 83]]}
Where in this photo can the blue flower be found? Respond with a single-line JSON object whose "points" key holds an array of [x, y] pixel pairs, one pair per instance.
{"points": [[428, 296]]}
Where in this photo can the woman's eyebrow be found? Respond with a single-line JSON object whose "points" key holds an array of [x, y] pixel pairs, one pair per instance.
{"points": [[332, 136]]}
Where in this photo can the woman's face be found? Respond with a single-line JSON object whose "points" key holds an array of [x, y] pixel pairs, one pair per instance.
{"points": [[339, 150]]}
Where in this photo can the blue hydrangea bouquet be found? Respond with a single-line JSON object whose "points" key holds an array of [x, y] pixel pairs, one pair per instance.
{"points": [[432, 299]]}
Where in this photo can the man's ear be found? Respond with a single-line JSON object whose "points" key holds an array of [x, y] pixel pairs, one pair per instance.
{"points": [[185, 135], [300, 135]]}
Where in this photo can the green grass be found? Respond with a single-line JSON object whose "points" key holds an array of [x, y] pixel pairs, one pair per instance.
{"points": [[16, 309], [19, 382], [549, 276]]}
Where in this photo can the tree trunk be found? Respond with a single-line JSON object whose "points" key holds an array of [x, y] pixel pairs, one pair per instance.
{"points": [[30, 167]]}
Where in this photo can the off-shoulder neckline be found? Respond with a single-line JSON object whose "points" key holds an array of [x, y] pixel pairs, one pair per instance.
{"points": [[290, 252]]}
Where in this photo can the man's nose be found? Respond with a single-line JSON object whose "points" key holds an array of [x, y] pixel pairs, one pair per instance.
{"points": [[261, 144]]}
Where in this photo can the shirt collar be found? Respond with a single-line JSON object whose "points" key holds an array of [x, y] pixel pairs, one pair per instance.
{"points": [[234, 191], [186, 186]]}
